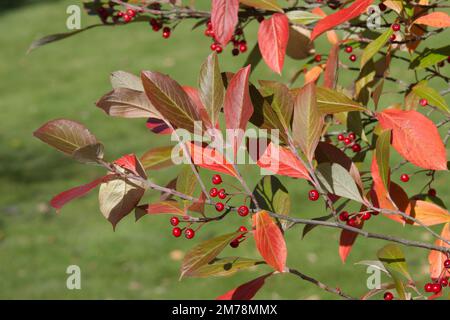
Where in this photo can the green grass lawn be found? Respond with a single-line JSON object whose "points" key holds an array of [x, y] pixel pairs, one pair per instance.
{"points": [[139, 260]]}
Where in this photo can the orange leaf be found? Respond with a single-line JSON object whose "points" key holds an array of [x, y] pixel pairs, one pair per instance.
{"points": [[270, 241], [332, 36], [437, 258], [273, 36], [415, 137], [210, 159], [435, 19], [313, 74], [163, 207], [282, 161], [428, 213], [246, 291]]}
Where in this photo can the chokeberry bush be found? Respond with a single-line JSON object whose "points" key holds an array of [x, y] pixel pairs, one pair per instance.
{"points": [[335, 136]]}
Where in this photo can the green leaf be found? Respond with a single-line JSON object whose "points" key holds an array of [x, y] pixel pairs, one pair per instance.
{"points": [[186, 183], [365, 79], [211, 88], [89, 154], [308, 120], [270, 5], [157, 158], [337, 180], [170, 100], [302, 17], [66, 136], [271, 195], [430, 57], [332, 101], [281, 102], [434, 98], [224, 267], [393, 259], [382, 155], [127, 103], [205, 252], [375, 46]]}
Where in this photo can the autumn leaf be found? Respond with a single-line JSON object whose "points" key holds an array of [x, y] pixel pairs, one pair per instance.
{"points": [[435, 19], [157, 158], [437, 258], [245, 291], [273, 36], [270, 241], [347, 240], [409, 131], [270, 5], [162, 207], [211, 159], [224, 17], [427, 213], [331, 68]]}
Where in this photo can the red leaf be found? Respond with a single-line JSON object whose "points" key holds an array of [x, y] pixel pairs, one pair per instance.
{"points": [[211, 159], [270, 241], [415, 137], [331, 35], [224, 17], [273, 36], [163, 207], [130, 162], [194, 96], [428, 213], [435, 19], [437, 258], [61, 199], [246, 291], [199, 206], [282, 161], [347, 240], [158, 126], [331, 69], [341, 16]]}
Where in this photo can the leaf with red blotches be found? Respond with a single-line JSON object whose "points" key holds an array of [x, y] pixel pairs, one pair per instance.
{"points": [[341, 16], [427, 213], [246, 291], [210, 159], [282, 161], [224, 17], [437, 258], [270, 241], [61, 199], [347, 240], [129, 162], [273, 36], [435, 19], [415, 137], [162, 207]]}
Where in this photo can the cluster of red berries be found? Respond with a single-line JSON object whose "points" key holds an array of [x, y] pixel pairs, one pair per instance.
{"points": [[353, 219], [349, 141], [349, 49], [158, 25], [235, 243], [126, 16], [239, 43], [395, 27], [222, 194], [440, 283], [177, 231]]}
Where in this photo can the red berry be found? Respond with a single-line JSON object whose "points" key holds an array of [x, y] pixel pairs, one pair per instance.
{"points": [[235, 52], [392, 37], [340, 137], [156, 27], [242, 47], [352, 58], [174, 221], [131, 13], [313, 195], [222, 194], [404, 177], [351, 136], [317, 58], [366, 216], [238, 31], [242, 229], [444, 282], [423, 102], [189, 233], [213, 192], [120, 14], [219, 49], [388, 296], [126, 18], [352, 222], [343, 216], [166, 32], [428, 287], [347, 141], [176, 232], [234, 243], [447, 263], [209, 25], [220, 206], [382, 7], [432, 192], [213, 46], [436, 288], [216, 179], [395, 27], [348, 49], [243, 211], [356, 148]]}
